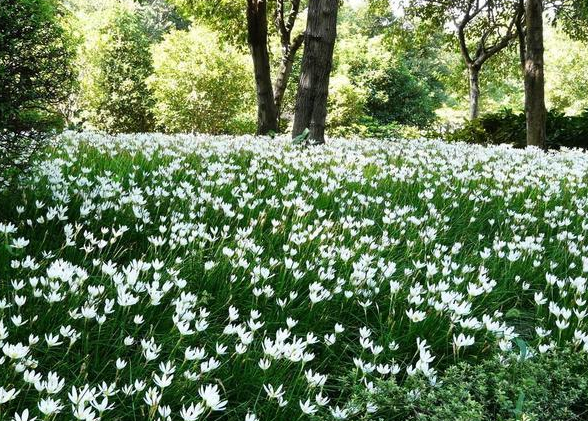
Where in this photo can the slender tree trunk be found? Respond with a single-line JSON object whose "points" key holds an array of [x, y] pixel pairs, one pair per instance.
{"points": [[534, 76], [474, 91], [267, 112], [288, 54], [317, 60], [520, 25]]}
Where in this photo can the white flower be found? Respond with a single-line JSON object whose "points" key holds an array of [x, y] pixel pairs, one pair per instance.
{"points": [[15, 352], [463, 341], [52, 340], [307, 407], [19, 243], [7, 395], [84, 413], [163, 381], [415, 315], [54, 384], [251, 417], [10, 228], [152, 397], [212, 398], [24, 416], [192, 412], [321, 400], [339, 413], [264, 363], [274, 393], [50, 406]]}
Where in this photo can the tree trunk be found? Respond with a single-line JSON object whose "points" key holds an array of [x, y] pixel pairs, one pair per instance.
{"points": [[474, 92], [267, 112], [288, 54], [520, 25], [317, 60], [534, 77]]}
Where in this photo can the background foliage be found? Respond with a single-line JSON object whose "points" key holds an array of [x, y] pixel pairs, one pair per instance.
{"points": [[36, 63], [199, 84], [117, 62], [394, 74]]}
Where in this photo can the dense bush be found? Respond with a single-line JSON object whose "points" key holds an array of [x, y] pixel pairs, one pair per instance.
{"points": [[508, 127], [346, 104], [394, 95], [36, 75], [373, 93], [547, 387], [36, 70], [116, 64], [201, 85]]}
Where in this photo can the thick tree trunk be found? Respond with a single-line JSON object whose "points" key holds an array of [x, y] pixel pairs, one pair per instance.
{"points": [[534, 75], [267, 112], [317, 60], [474, 92]]}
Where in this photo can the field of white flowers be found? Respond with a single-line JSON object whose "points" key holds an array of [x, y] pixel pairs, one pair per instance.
{"points": [[153, 277]]}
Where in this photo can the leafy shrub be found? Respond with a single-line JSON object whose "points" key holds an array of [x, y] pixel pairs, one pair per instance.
{"points": [[508, 127], [117, 61], [374, 93], [36, 64], [548, 387], [393, 93], [17, 152], [346, 104], [201, 85], [36, 75]]}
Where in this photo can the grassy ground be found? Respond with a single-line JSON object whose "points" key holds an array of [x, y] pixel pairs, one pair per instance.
{"points": [[150, 276]]}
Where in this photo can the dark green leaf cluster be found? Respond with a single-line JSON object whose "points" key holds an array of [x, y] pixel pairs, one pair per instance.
{"points": [[36, 70], [547, 387], [508, 127]]}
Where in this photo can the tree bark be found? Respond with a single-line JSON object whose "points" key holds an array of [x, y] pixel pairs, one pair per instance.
{"points": [[317, 60], [474, 72], [288, 54], [534, 74], [267, 112], [520, 25]]}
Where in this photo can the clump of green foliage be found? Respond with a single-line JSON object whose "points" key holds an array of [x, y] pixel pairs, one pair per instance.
{"points": [[547, 387], [36, 76], [375, 90], [508, 127], [117, 62], [201, 84], [394, 94], [36, 69]]}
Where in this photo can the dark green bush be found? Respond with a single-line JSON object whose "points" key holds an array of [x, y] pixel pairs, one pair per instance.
{"points": [[548, 387], [508, 127], [36, 76], [36, 64], [393, 94]]}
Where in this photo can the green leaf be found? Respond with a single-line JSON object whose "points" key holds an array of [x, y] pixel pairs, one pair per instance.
{"points": [[298, 140], [522, 348], [519, 407], [513, 313]]}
